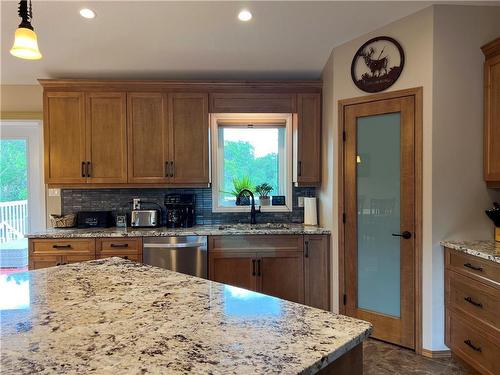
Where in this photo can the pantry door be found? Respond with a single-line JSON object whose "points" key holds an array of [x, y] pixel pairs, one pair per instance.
{"points": [[380, 223]]}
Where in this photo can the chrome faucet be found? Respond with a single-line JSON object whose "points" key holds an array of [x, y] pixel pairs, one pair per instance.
{"points": [[253, 211]]}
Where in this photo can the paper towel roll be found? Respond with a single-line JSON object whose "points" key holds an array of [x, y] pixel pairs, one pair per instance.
{"points": [[310, 211]]}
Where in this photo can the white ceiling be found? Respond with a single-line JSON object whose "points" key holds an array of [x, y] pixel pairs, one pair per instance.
{"points": [[189, 40]]}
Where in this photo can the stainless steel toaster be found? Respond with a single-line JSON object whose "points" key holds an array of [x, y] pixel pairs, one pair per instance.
{"points": [[144, 218]]}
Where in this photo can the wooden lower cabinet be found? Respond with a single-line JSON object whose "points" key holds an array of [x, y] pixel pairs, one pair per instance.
{"points": [[273, 265], [127, 248], [44, 261], [472, 325], [45, 253]]}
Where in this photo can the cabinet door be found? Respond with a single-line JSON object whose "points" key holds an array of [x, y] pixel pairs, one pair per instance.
{"points": [[147, 137], [189, 128], [252, 103], [106, 137], [281, 275], [64, 137], [492, 120], [309, 139], [44, 261], [237, 269], [316, 272]]}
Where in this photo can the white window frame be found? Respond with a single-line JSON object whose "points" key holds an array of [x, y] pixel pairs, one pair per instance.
{"points": [[251, 118]]}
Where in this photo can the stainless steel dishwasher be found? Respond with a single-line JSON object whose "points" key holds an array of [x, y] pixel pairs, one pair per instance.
{"points": [[185, 254]]}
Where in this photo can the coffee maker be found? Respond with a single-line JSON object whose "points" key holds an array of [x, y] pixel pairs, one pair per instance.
{"points": [[180, 210]]}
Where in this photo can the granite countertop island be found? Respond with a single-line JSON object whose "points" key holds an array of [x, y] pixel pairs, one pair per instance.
{"points": [[197, 230], [486, 249], [116, 316]]}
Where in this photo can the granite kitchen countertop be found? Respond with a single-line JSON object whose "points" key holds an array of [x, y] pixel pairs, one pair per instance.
{"points": [[114, 316], [197, 230], [486, 249]]}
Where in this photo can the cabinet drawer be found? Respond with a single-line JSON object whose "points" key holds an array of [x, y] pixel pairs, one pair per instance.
{"points": [[471, 343], [118, 245], [473, 266], [257, 243], [63, 246], [133, 257], [473, 298]]}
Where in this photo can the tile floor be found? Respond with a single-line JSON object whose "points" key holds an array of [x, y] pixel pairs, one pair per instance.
{"points": [[384, 359]]}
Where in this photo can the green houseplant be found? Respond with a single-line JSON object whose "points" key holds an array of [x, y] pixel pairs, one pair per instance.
{"points": [[263, 190], [240, 184]]}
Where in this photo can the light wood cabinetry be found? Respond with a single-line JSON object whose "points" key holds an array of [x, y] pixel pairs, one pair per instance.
{"points": [[156, 133], [53, 252], [316, 271], [127, 248], [64, 137], [147, 138], [492, 113], [273, 264], [106, 137], [188, 147], [472, 296], [308, 139]]}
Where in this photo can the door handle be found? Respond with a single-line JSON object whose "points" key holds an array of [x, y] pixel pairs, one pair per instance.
{"points": [[406, 235], [172, 169], [306, 253], [61, 246], [472, 302], [167, 172], [88, 169], [299, 169], [119, 245], [472, 346], [253, 267], [258, 267], [468, 265], [84, 173]]}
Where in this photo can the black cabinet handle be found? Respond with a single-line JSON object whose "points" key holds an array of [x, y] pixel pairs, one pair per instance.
{"points": [[166, 169], [468, 265], [58, 264], [61, 246], [472, 346], [472, 302], [88, 169], [258, 267], [119, 245], [306, 253], [125, 257], [299, 169], [172, 169], [84, 173], [406, 235], [253, 267]]}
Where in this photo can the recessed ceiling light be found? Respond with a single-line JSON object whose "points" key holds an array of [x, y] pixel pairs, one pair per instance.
{"points": [[87, 13], [245, 15]]}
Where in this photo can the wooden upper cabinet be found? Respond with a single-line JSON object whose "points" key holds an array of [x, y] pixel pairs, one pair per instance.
{"points": [[64, 137], [188, 147], [147, 137], [252, 103], [308, 139], [492, 113], [106, 138]]}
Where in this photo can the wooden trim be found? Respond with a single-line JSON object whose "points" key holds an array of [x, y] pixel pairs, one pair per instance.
{"points": [[174, 85], [417, 93], [21, 115], [492, 48], [128, 185], [435, 353]]}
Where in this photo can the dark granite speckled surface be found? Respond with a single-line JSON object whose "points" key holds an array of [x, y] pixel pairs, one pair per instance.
{"points": [[114, 316]]}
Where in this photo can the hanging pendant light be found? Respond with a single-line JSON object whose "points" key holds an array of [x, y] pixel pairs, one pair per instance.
{"points": [[25, 43]]}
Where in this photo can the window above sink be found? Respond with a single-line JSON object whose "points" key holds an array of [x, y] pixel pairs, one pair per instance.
{"points": [[251, 149]]}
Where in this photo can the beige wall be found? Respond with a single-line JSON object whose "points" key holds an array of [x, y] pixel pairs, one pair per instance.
{"points": [[21, 98], [442, 55]]}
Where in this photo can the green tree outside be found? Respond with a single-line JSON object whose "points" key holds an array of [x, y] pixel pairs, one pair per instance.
{"points": [[13, 170]]}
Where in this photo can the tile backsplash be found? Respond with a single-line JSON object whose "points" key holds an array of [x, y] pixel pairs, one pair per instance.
{"points": [[119, 201]]}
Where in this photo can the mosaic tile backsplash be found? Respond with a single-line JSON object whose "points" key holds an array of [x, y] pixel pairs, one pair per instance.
{"points": [[119, 202]]}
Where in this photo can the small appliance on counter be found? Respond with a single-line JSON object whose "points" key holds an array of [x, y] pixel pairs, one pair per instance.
{"points": [[141, 218], [94, 219], [180, 210], [494, 215]]}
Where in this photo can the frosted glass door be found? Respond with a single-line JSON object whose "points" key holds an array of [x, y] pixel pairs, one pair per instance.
{"points": [[378, 216]]}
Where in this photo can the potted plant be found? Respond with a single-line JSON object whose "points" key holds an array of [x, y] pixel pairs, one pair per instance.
{"points": [[240, 184], [263, 190]]}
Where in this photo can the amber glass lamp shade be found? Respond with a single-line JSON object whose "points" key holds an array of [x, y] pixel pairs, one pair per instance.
{"points": [[25, 45]]}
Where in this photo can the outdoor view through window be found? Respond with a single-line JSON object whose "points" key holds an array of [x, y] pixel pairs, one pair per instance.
{"points": [[252, 155]]}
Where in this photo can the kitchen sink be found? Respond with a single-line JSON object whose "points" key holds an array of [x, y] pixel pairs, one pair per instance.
{"points": [[269, 226]]}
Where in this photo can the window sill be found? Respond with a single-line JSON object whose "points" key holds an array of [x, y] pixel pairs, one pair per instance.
{"points": [[237, 209]]}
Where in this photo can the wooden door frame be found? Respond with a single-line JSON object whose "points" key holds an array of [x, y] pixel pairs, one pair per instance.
{"points": [[417, 94]]}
